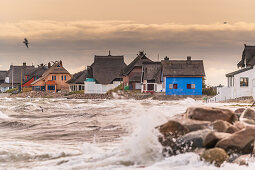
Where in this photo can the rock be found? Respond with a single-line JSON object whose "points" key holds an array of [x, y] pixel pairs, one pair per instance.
{"points": [[220, 125], [194, 125], [232, 129], [213, 137], [242, 160], [239, 111], [239, 142], [216, 156], [173, 128], [211, 114], [248, 116], [193, 140]]}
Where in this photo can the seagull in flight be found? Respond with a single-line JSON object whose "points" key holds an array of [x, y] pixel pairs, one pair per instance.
{"points": [[26, 42]]}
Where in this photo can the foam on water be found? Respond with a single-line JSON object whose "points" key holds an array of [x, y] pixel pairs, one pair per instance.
{"points": [[136, 147]]}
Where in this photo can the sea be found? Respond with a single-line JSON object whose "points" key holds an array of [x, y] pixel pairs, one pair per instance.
{"points": [[77, 134]]}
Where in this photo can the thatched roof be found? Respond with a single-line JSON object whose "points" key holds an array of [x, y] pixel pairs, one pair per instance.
{"points": [[152, 71], [78, 78], [17, 71], [187, 68], [248, 56], [107, 68], [56, 68], [137, 62]]}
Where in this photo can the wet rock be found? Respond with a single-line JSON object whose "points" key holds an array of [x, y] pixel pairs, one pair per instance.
{"points": [[239, 111], [239, 142], [220, 125], [211, 114], [173, 128], [242, 160], [232, 129], [216, 156], [213, 137], [194, 125], [248, 116], [193, 140]]}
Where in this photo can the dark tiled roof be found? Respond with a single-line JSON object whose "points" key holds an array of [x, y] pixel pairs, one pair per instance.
{"points": [[248, 56], [152, 71], [16, 71], [137, 62], [182, 68], [78, 78], [238, 71], [107, 68]]}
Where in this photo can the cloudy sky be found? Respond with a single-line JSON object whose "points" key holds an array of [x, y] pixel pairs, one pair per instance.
{"points": [[76, 30]]}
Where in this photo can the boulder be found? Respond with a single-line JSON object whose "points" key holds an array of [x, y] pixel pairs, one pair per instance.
{"points": [[194, 125], [248, 116], [220, 125], [216, 156], [239, 142], [211, 114], [212, 138], [173, 128], [193, 140]]}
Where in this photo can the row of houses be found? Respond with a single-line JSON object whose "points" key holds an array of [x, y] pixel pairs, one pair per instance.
{"points": [[172, 77]]}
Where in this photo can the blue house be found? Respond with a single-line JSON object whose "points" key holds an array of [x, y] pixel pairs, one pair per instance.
{"points": [[182, 77]]}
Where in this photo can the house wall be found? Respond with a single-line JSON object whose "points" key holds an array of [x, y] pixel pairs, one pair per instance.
{"points": [[93, 88], [125, 81], [61, 84], [182, 85], [157, 87]]}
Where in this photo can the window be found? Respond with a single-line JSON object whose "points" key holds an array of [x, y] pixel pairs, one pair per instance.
{"points": [[54, 77], [244, 81], [173, 86], [191, 86]]}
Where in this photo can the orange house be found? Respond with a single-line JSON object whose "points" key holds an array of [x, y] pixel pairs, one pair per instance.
{"points": [[54, 79]]}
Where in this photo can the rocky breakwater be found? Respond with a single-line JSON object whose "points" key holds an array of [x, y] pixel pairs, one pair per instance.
{"points": [[217, 134]]}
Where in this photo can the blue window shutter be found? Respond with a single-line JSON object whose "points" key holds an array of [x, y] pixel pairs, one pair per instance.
{"points": [[65, 77], [62, 77]]}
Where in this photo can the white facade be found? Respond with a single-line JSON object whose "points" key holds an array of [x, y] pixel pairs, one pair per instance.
{"points": [[235, 89], [93, 88]]}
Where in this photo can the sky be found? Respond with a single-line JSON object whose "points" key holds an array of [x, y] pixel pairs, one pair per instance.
{"points": [[76, 30]]}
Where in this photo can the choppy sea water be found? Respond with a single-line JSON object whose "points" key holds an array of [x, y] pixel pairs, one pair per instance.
{"points": [[91, 134]]}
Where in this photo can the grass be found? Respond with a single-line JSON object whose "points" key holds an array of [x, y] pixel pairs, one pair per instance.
{"points": [[116, 89], [75, 92], [11, 90]]}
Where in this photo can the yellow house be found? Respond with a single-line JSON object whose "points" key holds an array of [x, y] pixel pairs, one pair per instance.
{"points": [[54, 79]]}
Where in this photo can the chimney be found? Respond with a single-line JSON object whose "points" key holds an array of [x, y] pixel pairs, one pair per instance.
{"points": [[166, 58], [61, 64], [41, 64], [188, 59], [24, 64], [141, 53], [109, 53], [49, 65]]}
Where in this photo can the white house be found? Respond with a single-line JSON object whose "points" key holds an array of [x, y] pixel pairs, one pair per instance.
{"points": [[104, 74], [240, 83]]}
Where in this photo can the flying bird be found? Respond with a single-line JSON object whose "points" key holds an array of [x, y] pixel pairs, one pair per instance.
{"points": [[26, 42], [225, 22]]}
